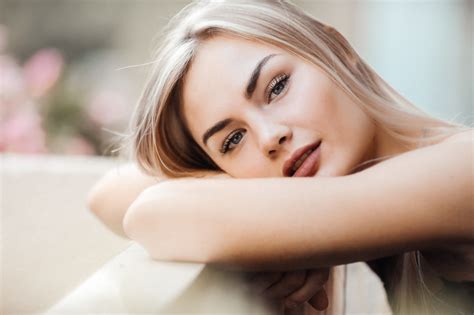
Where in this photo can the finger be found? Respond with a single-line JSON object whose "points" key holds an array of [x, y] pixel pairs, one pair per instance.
{"points": [[263, 280], [249, 276], [290, 282], [314, 283], [298, 310], [323, 275], [320, 301]]}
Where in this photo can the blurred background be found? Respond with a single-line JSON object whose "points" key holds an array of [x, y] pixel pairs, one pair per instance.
{"points": [[70, 70], [70, 75]]}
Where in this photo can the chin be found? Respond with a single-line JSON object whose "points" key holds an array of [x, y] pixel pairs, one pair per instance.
{"points": [[333, 171], [325, 172]]}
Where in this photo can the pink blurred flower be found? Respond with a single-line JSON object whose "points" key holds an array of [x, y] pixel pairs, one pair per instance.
{"points": [[43, 70], [79, 146], [12, 85], [107, 107], [22, 133]]}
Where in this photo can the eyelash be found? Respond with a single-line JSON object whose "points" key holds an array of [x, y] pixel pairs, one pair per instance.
{"points": [[282, 78], [271, 89], [227, 142]]}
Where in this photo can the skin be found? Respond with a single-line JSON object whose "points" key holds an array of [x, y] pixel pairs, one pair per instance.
{"points": [[273, 127], [112, 195], [270, 125], [420, 200], [309, 107], [266, 128], [274, 122]]}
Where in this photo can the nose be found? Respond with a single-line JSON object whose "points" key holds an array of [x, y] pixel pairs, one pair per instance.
{"points": [[272, 138]]}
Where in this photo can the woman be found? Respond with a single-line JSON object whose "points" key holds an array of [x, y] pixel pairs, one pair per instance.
{"points": [[260, 95]]}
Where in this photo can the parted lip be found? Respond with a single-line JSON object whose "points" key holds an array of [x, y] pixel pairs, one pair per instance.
{"points": [[286, 170]]}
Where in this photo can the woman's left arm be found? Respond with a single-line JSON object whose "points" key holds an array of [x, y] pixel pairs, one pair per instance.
{"points": [[417, 200]]}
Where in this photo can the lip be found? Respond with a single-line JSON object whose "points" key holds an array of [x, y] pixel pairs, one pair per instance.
{"points": [[304, 168]]}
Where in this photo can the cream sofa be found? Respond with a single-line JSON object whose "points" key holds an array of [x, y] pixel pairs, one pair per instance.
{"points": [[57, 258]]}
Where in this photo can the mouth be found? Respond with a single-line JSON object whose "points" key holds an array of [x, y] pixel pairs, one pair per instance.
{"points": [[303, 162]]}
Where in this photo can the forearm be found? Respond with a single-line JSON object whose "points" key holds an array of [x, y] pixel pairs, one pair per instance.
{"points": [[257, 226], [111, 196], [410, 202], [209, 221]]}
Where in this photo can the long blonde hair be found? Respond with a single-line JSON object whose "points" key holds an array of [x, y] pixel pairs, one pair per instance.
{"points": [[161, 141]]}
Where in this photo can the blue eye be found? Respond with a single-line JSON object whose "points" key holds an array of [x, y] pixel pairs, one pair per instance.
{"points": [[276, 86], [232, 140]]}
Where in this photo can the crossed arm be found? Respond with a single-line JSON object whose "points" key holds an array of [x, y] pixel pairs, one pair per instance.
{"points": [[422, 199], [112, 195]]}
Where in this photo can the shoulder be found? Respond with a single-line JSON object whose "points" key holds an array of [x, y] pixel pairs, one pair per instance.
{"points": [[463, 136], [434, 183], [454, 262]]}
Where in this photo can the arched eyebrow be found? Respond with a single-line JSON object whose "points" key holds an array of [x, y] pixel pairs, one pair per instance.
{"points": [[252, 83], [214, 129], [251, 86]]}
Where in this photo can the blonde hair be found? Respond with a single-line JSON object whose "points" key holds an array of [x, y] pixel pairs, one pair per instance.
{"points": [[161, 140]]}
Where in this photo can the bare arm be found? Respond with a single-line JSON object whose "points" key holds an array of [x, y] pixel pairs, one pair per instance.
{"points": [[421, 199], [112, 195], [110, 198]]}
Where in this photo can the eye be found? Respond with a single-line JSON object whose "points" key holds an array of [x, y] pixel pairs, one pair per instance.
{"points": [[276, 86], [232, 140]]}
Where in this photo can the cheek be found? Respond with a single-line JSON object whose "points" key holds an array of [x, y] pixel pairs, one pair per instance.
{"points": [[350, 138], [249, 163], [364, 134], [357, 126], [314, 106]]}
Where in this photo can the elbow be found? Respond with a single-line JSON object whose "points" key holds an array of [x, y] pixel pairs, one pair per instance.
{"points": [[132, 221], [157, 222], [99, 204], [143, 222], [97, 199], [146, 223], [94, 201], [137, 221]]}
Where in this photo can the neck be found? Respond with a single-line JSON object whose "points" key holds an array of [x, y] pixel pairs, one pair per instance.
{"points": [[384, 147]]}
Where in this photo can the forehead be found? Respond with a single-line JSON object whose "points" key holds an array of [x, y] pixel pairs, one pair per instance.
{"points": [[216, 80]]}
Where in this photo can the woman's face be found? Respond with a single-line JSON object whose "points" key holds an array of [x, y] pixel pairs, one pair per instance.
{"points": [[267, 104]]}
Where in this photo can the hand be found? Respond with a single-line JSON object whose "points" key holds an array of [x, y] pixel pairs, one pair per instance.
{"points": [[293, 288]]}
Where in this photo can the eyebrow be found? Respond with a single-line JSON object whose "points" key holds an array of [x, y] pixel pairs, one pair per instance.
{"points": [[214, 129], [251, 86]]}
